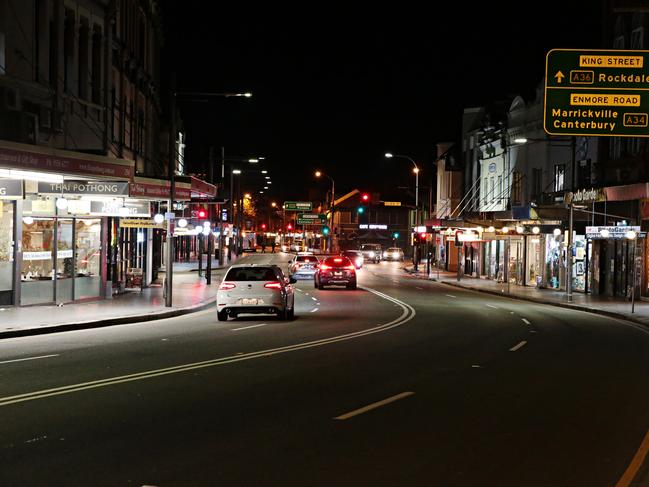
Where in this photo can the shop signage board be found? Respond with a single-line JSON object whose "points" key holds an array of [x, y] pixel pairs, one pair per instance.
{"points": [[597, 92], [298, 205], [617, 232], [311, 218], [392, 203], [372, 226], [140, 223], [98, 188], [11, 189], [585, 196]]}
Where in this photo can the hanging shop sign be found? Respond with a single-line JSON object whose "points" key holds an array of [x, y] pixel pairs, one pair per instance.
{"points": [[117, 208], [586, 196], [603, 233], [11, 189], [141, 223], [98, 188], [372, 226]]}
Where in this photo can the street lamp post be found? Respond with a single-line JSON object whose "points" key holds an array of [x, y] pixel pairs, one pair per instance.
{"points": [[333, 203], [415, 169]]}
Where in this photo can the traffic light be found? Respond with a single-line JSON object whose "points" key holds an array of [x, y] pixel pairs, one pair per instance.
{"points": [[289, 227], [365, 198], [361, 209], [201, 213], [325, 230], [415, 238], [395, 235], [263, 226]]}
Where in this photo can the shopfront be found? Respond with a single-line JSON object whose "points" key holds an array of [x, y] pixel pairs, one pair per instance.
{"points": [[534, 260]]}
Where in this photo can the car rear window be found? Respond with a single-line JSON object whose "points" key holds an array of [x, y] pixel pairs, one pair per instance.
{"points": [[251, 274], [306, 258], [338, 261]]}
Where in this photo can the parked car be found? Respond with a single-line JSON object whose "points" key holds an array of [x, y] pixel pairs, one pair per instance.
{"points": [[303, 265], [371, 252], [256, 289], [335, 271], [393, 253], [356, 256]]}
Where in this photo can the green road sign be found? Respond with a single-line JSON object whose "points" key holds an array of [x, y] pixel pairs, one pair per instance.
{"points": [[298, 205], [311, 218], [597, 92]]}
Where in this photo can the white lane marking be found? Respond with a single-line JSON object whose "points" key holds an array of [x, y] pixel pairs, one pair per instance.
{"points": [[248, 327], [492, 306], [374, 405], [314, 310], [526, 321], [533, 331], [298, 289], [451, 296], [407, 314], [417, 287], [29, 358], [519, 346], [306, 294], [395, 281], [315, 299], [476, 366]]}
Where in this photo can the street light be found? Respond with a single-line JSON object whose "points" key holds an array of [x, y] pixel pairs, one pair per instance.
{"points": [[333, 200], [415, 169]]}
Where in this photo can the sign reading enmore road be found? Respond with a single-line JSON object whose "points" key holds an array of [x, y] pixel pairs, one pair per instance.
{"points": [[597, 92]]}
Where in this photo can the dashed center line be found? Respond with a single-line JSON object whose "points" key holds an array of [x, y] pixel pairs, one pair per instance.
{"points": [[247, 327], [492, 306], [519, 346], [526, 321], [314, 310], [29, 358], [374, 405], [417, 287], [315, 299], [451, 296]]}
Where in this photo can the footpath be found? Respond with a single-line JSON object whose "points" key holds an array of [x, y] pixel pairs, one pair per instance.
{"points": [[613, 307], [190, 294]]}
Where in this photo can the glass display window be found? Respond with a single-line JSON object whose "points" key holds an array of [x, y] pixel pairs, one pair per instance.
{"points": [[6, 252], [37, 271], [88, 258]]}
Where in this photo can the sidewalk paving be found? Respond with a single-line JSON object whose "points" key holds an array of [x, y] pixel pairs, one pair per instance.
{"points": [[614, 307], [190, 294]]}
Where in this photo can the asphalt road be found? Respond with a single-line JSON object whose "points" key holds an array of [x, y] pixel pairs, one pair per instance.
{"points": [[402, 383]]}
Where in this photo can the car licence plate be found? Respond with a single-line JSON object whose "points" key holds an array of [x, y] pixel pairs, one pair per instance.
{"points": [[249, 301], [338, 273]]}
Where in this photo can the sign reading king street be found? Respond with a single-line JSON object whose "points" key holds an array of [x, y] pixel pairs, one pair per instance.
{"points": [[597, 92]]}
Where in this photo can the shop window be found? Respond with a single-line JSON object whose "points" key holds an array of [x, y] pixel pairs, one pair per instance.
{"points": [[96, 65], [537, 182], [517, 188], [68, 50], [6, 252], [64, 260], [37, 270]]}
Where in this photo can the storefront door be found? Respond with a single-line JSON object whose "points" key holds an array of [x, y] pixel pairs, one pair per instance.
{"points": [[37, 266], [6, 252]]}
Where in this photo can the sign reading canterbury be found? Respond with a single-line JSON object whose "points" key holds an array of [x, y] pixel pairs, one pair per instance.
{"points": [[597, 92]]}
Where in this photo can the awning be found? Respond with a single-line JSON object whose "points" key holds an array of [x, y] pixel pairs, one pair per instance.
{"points": [[199, 188], [158, 189]]}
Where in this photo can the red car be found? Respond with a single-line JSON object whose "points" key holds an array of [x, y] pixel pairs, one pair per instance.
{"points": [[338, 270]]}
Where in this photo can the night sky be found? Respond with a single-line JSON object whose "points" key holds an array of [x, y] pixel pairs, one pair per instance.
{"points": [[336, 87]]}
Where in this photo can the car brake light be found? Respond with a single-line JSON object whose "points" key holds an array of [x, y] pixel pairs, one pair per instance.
{"points": [[324, 267], [273, 285], [225, 286], [350, 267], [338, 260]]}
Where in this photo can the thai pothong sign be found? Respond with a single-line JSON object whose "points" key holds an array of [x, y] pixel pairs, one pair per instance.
{"points": [[617, 232], [25, 157], [586, 196], [98, 188], [11, 189]]}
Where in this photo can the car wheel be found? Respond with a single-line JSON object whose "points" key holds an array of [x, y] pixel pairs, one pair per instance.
{"points": [[351, 285], [222, 316], [291, 313], [283, 314]]}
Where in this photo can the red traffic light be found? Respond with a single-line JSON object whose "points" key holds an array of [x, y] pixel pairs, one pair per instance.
{"points": [[289, 227], [365, 197], [201, 213], [422, 234], [263, 226]]}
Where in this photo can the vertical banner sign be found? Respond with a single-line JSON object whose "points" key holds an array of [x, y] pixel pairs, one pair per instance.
{"points": [[597, 92]]}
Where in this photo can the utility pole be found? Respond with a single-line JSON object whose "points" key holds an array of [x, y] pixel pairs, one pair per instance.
{"points": [[172, 193]]}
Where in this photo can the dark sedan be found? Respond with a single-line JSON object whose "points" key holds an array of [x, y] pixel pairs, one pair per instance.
{"points": [[339, 271]]}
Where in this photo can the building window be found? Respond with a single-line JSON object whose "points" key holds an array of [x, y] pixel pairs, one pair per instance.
{"points": [[637, 38], [615, 148], [537, 182], [485, 189], [96, 66], [3, 62], [84, 51], [559, 177], [500, 195], [493, 189], [517, 188], [68, 51]]}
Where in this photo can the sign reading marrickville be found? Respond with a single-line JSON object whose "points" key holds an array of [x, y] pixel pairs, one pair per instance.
{"points": [[597, 92]]}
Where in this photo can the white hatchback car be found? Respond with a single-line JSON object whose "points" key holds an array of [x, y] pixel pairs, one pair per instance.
{"points": [[255, 289]]}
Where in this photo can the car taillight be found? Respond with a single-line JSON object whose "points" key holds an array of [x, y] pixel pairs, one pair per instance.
{"points": [[324, 267], [226, 286], [273, 285], [350, 267]]}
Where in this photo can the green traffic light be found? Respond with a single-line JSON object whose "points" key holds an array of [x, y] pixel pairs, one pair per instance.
{"points": [[395, 235], [361, 209], [325, 230]]}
